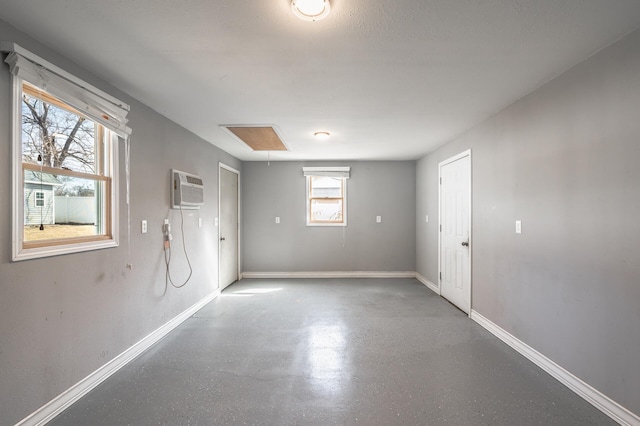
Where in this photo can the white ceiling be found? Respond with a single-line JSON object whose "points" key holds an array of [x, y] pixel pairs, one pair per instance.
{"points": [[390, 79]]}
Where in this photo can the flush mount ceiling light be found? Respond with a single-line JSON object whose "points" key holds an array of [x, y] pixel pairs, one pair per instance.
{"points": [[311, 10], [322, 135]]}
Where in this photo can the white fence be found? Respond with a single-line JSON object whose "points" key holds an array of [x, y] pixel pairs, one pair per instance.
{"points": [[75, 210]]}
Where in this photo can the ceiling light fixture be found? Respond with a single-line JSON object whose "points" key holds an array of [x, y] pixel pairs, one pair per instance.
{"points": [[322, 135], [311, 10]]}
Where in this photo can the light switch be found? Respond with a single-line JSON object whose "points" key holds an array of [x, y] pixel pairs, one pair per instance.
{"points": [[199, 222], [143, 227], [378, 219], [277, 219], [215, 221], [426, 218], [518, 227]]}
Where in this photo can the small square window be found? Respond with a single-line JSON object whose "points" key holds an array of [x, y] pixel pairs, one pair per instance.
{"points": [[39, 199], [326, 201]]}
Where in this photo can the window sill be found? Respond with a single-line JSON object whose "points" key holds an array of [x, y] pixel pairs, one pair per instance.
{"points": [[327, 224], [40, 252]]}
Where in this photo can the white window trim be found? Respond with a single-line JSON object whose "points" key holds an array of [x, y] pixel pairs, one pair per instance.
{"points": [[21, 253], [111, 167], [338, 172]]}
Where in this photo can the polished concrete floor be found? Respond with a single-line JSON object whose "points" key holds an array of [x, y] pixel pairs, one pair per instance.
{"points": [[330, 352]]}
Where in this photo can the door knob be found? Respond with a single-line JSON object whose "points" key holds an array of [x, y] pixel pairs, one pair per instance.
{"points": [[222, 238], [465, 243]]}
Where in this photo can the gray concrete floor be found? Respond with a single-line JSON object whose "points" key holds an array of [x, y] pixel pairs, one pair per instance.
{"points": [[330, 352]]}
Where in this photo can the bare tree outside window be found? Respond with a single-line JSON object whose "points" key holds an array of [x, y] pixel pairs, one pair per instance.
{"points": [[59, 138]]}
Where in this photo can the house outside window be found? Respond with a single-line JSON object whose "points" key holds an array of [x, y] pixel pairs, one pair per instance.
{"points": [[39, 200]]}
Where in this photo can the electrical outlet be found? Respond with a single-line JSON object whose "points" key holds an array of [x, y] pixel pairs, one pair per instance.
{"points": [[426, 218], [166, 230], [143, 227], [378, 219], [277, 219], [199, 222], [518, 227]]}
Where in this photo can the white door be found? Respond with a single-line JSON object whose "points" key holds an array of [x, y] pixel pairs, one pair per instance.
{"points": [[455, 232], [228, 244]]}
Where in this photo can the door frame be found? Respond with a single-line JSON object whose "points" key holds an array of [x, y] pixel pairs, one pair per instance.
{"points": [[221, 166], [443, 163]]}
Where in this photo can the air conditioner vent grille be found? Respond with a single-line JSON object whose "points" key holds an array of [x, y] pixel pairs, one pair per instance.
{"points": [[195, 180]]}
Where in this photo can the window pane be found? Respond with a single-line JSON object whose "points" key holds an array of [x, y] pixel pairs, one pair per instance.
{"points": [[54, 136], [39, 199], [326, 211], [326, 187], [69, 206]]}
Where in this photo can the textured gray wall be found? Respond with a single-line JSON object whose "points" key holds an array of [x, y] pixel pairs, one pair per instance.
{"points": [[564, 160], [384, 189], [63, 317]]}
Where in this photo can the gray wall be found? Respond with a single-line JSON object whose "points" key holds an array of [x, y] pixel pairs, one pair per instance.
{"points": [[63, 317], [564, 160], [384, 189]]}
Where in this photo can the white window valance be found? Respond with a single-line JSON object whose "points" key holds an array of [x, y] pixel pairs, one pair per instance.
{"points": [[341, 172], [91, 101]]}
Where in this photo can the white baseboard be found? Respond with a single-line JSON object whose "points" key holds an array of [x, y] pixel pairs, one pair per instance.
{"points": [[596, 398], [331, 274], [428, 283], [54, 407]]}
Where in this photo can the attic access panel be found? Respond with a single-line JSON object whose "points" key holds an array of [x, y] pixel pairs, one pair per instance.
{"points": [[258, 138]]}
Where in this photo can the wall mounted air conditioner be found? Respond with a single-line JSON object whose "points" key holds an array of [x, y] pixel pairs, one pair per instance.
{"points": [[187, 190]]}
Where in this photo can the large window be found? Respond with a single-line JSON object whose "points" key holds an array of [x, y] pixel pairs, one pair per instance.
{"points": [[67, 155], [326, 196], [65, 164]]}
